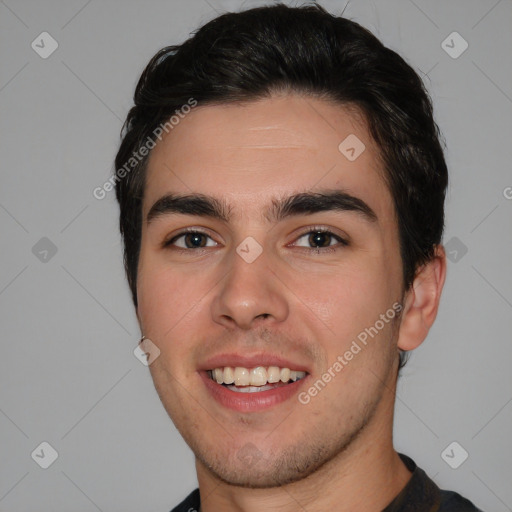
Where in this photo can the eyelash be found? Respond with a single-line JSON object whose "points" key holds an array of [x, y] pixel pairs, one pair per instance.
{"points": [[310, 230]]}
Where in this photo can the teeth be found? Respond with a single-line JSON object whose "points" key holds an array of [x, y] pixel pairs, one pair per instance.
{"points": [[242, 376], [273, 374], [217, 375], [249, 389], [257, 378], [228, 375], [285, 374]]}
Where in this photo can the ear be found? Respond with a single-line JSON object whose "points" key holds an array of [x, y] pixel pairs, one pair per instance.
{"points": [[422, 301]]}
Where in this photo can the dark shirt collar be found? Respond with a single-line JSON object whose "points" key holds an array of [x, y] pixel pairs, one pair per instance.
{"points": [[420, 494]]}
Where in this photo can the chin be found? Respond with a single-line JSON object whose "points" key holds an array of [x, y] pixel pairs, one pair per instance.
{"points": [[252, 469], [260, 477]]}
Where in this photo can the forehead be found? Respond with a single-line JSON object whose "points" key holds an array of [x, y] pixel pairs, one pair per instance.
{"points": [[271, 147]]}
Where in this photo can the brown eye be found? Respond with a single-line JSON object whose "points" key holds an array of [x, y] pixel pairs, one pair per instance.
{"points": [[191, 240], [321, 239]]}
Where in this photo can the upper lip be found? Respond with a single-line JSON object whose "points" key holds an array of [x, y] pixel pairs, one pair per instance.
{"points": [[251, 361]]}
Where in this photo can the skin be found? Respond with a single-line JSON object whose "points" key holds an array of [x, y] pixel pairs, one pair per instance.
{"points": [[196, 304]]}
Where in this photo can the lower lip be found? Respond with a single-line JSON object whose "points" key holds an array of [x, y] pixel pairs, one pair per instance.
{"points": [[250, 402]]}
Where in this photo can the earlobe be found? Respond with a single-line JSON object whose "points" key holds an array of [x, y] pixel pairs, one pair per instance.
{"points": [[422, 302]]}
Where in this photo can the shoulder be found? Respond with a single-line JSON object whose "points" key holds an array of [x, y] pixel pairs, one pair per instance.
{"points": [[454, 502], [421, 494], [190, 504]]}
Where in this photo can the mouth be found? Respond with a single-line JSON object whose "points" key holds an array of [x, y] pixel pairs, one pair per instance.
{"points": [[252, 389], [254, 380]]}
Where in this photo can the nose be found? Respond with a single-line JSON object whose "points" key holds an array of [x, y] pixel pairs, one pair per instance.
{"points": [[249, 294]]}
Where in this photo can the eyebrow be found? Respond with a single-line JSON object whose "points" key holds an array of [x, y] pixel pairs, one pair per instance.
{"points": [[279, 209]]}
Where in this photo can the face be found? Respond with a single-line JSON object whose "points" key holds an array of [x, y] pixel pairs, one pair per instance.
{"points": [[287, 260]]}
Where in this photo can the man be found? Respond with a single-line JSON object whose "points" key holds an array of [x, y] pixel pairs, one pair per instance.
{"points": [[282, 211]]}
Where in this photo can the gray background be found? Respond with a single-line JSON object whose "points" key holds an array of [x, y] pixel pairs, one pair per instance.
{"points": [[68, 330]]}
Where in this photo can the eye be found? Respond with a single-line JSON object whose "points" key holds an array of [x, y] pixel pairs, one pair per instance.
{"points": [[192, 239], [322, 239]]}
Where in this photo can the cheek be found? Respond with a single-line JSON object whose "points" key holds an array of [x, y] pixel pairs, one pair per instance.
{"points": [[347, 305], [349, 297], [157, 294], [166, 301]]}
